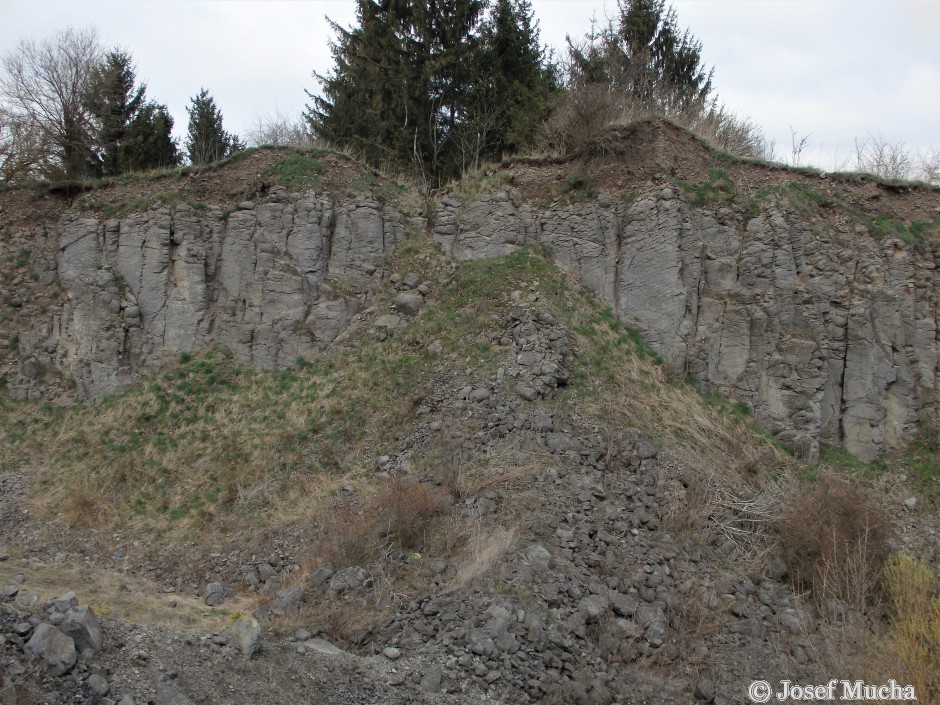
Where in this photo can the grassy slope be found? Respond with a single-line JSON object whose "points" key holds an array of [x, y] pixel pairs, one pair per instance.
{"points": [[212, 444]]}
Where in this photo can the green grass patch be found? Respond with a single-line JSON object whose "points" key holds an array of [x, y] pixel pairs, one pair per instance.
{"points": [[367, 181], [717, 189], [296, 172]]}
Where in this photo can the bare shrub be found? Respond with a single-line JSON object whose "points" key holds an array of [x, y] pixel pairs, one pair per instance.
{"points": [[407, 509], [349, 538], [579, 118], [281, 130], [877, 155], [835, 540], [929, 165]]}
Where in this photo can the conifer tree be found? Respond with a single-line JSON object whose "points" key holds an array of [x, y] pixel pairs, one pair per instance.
{"points": [[515, 74], [115, 101], [415, 83], [149, 140], [206, 140], [645, 56]]}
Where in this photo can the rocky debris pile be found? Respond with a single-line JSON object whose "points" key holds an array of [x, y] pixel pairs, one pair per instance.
{"points": [[412, 290], [55, 642], [605, 585]]}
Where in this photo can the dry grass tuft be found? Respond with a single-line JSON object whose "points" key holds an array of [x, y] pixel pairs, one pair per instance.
{"points": [[483, 551], [910, 650]]}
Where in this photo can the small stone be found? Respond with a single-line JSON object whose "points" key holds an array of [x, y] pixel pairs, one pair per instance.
{"points": [[287, 601], [65, 602], [98, 685], [214, 594], [431, 680], [391, 653], [705, 690], [169, 694], [526, 392], [910, 504], [409, 302], [539, 555], [27, 599]]}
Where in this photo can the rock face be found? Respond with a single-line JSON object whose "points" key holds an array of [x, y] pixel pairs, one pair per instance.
{"points": [[827, 333], [147, 287]]}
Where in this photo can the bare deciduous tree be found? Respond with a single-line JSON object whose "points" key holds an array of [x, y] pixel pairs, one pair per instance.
{"points": [[45, 85], [22, 148]]}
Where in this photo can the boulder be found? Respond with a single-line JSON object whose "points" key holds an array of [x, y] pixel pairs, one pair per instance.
{"points": [[54, 647]]}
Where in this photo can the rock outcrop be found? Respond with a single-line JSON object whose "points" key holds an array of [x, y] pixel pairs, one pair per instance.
{"points": [[827, 333], [148, 287]]}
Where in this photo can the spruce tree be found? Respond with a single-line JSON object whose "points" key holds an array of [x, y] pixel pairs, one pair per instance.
{"points": [[206, 140], [515, 76], [646, 57], [425, 84], [115, 101], [149, 142]]}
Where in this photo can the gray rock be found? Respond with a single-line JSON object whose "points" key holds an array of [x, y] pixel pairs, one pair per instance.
{"points": [[431, 680], [539, 555], [479, 394], [27, 599], [246, 634], [214, 594], [592, 607], [391, 653], [127, 699], [321, 646], [623, 605], [169, 694], [54, 647], [347, 579], [910, 503], [287, 601], [81, 624], [389, 322], [65, 602], [705, 689], [526, 391], [408, 302], [98, 684]]}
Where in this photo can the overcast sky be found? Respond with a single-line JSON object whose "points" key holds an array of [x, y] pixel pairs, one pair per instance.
{"points": [[834, 70]]}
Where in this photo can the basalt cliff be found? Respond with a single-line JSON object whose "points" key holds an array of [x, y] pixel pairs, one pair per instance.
{"points": [[811, 298]]}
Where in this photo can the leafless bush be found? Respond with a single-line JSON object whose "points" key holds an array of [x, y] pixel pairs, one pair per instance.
{"points": [[408, 509], [929, 163], [584, 114], [580, 117], [877, 155], [281, 130], [835, 540]]}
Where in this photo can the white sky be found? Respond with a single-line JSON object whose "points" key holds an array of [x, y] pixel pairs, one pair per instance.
{"points": [[832, 69]]}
